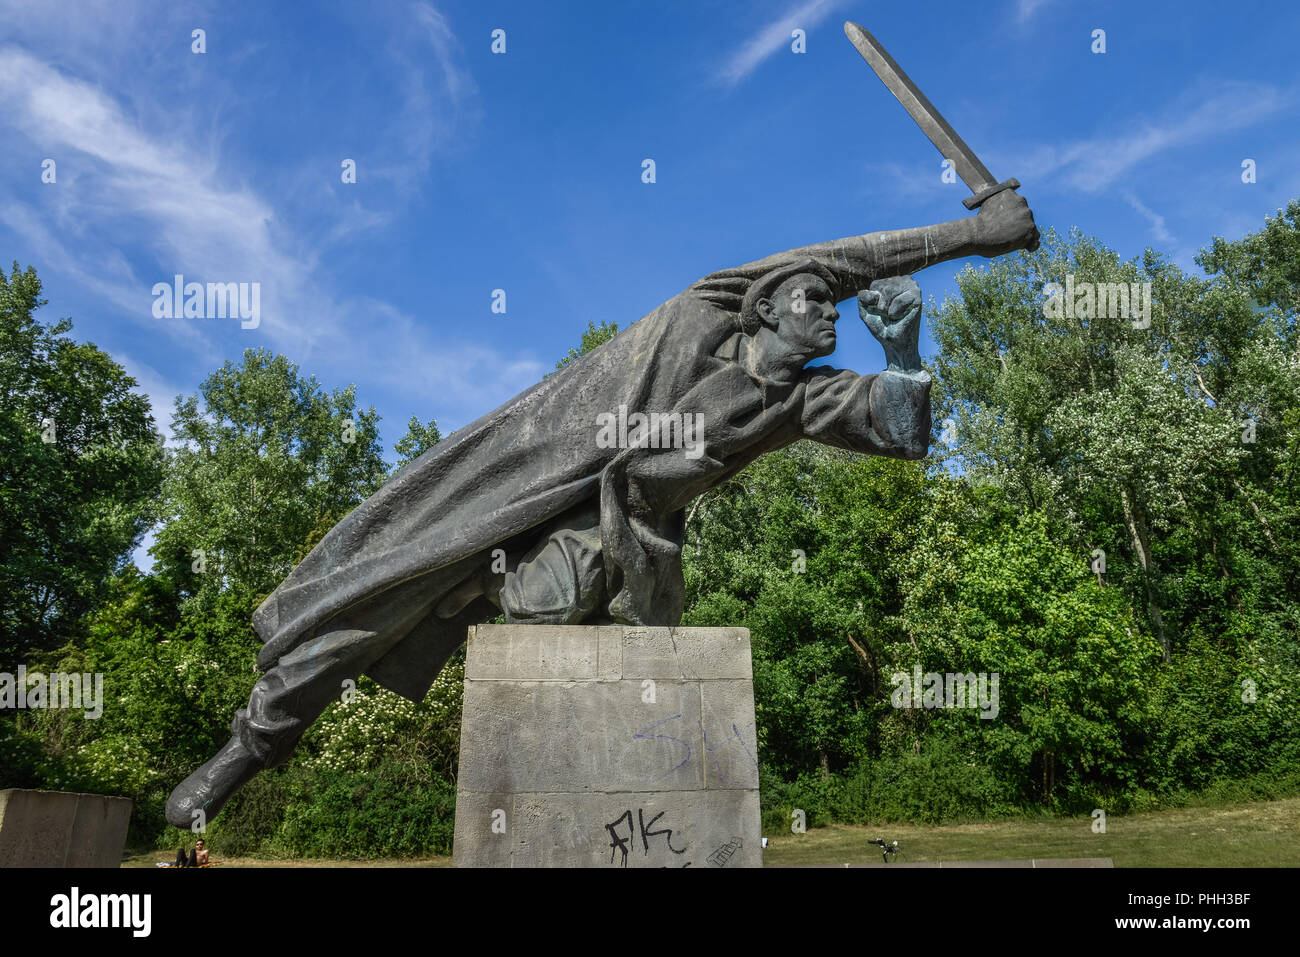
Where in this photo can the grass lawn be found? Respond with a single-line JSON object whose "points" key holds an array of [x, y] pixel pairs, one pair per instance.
{"points": [[1255, 834], [151, 859]]}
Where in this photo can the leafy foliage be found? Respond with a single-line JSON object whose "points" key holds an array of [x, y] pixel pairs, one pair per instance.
{"points": [[593, 338], [264, 456], [80, 467], [417, 440], [1111, 530]]}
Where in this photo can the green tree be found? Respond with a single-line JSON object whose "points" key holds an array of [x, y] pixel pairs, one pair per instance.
{"points": [[801, 548], [1260, 386], [417, 440], [1129, 439], [989, 593], [80, 467], [1168, 454], [593, 338], [266, 457], [1265, 264]]}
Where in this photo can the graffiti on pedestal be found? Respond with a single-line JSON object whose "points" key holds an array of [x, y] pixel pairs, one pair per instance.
{"points": [[736, 740], [724, 853], [625, 843]]}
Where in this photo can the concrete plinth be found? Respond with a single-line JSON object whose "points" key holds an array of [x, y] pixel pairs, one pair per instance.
{"points": [[592, 746], [60, 829]]}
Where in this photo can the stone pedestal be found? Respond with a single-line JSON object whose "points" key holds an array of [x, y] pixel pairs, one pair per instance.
{"points": [[593, 746], [60, 829]]}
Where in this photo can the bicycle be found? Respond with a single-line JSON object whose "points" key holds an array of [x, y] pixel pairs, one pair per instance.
{"points": [[886, 849]]}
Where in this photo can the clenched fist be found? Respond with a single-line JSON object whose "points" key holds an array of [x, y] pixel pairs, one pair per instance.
{"points": [[1004, 224], [891, 308]]}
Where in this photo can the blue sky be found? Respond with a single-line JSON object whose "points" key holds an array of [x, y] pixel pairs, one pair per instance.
{"points": [[522, 171]]}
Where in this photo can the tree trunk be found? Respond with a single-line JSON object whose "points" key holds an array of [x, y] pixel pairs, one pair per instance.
{"points": [[1138, 533]]}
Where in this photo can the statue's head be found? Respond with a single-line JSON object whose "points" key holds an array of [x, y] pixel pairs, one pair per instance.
{"points": [[795, 302], [801, 312]]}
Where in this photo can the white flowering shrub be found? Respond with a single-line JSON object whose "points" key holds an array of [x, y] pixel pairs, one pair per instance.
{"points": [[357, 734]]}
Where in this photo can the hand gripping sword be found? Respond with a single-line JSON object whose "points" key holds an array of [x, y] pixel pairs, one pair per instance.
{"points": [[968, 166]]}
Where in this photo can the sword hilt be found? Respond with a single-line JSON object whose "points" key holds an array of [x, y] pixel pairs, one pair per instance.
{"points": [[971, 202]]}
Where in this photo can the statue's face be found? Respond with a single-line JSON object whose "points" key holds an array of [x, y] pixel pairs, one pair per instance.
{"points": [[804, 323]]}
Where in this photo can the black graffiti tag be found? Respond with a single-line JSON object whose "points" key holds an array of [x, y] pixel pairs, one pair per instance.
{"points": [[620, 843]]}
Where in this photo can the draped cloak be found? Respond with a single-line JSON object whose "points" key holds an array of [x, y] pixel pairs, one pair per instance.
{"points": [[503, 480]]}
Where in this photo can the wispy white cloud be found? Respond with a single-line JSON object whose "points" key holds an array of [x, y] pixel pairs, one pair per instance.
{"points": [[436, 112], [119, 179], [775, 36], [1114, 154], [145, 191], [108, 277], [157, 387], [1157, 222], [1025, 9], [465, 379], [457, 82], [891, 178]]}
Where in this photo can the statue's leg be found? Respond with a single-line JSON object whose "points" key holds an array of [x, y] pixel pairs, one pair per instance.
{"points": [[559, 581], [292, 694], [562, 584]]}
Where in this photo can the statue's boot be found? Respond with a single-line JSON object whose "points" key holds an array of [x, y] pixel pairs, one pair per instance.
{"points": [[211, 786]]}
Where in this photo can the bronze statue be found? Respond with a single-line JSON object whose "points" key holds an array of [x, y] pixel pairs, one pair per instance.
{"points": [[566, 505]]}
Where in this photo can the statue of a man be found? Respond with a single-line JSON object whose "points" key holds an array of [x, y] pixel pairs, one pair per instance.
{"points": [[532, 512]]}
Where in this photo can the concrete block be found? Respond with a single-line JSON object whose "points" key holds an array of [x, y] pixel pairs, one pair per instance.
{"points": [[538, 652], [62, 829], [600, 746], [538, 736], [730, 741], [609, 656], [994, 864], [686, 653], [667, 829], [482, 821], [1073, 862]]}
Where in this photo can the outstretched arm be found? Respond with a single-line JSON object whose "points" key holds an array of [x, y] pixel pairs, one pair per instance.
{"points": [[885, 414], [1003, 224]]}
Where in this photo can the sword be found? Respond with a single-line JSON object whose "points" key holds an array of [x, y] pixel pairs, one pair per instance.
{"points": [[973, 173]]}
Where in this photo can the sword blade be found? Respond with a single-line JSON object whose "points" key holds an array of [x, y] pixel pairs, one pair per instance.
{"points": [[968, 166]]}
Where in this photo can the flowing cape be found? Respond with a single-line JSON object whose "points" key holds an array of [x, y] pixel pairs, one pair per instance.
{"points": [[490, 485], [437, 520]]}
